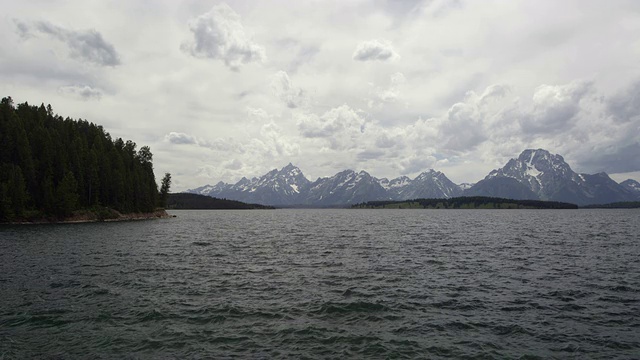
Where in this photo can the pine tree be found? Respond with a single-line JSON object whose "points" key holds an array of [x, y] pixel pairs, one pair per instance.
{"points": [[66, 195], [52, 165], [164, 189]]}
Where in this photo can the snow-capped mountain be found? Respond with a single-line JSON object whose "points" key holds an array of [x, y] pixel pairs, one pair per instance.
{"points": [[535, 174], [346, 187], [289, 187], [633, 186], [539, 174], [428, 185], [212, 190], [277, 187]]}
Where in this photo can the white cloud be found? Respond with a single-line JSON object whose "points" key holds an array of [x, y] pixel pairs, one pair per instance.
{"points": [[389, 94], [477, 82], [219, 34], [380, 50], [340, 126], [292, 96], [276, 143], [554, 107]]}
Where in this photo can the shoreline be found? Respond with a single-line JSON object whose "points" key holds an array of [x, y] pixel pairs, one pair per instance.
{"points": [[92, 217]]}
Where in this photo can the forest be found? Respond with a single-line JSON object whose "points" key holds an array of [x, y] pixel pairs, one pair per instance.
{"points": [[616, 205], [180, 201], [471, 202], [52, 166]]}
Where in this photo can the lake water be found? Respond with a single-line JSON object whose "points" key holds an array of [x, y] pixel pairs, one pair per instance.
{"points": [[326, 284]]}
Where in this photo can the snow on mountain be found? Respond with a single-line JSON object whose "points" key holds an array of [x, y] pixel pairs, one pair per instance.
{"points": [[465, 186], [277, 187], [430, 184], [288, 187], [633, 187], [346, 187], [549, 177], [534, 174]]}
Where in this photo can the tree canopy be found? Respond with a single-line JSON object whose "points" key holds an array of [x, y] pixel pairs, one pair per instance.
{"points": [[52, 166]]}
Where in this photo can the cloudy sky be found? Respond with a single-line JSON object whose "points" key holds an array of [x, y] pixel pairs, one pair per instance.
{"points": [[221, 90]]}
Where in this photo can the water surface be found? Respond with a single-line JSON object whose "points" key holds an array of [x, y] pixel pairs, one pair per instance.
{"points": [[326, 284]]}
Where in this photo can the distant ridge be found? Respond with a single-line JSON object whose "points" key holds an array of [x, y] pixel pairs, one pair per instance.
{"points": [[186, 201], [535, 174]]}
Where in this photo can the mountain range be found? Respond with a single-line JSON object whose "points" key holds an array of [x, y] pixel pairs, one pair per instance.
{"points": [[535, 174]]}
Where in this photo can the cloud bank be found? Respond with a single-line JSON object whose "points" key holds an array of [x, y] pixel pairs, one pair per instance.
{"points": [[390, 87]]}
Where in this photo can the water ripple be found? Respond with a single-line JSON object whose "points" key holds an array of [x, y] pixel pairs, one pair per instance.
{"points": [[326, 284]]}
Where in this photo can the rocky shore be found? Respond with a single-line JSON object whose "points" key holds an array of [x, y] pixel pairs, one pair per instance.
{"points": [[102, 215]]}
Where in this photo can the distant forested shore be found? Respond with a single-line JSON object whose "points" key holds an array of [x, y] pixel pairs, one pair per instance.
{"points": [[57, 169], [616, 205], [475, 202], [184, 201]]}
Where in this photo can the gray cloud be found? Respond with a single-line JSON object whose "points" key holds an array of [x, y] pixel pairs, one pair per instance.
{"points": [[219, 34], [417, 163], [370, 155], [385, 141], [462, 128], [614, 160], [625, 106], [180, 138], [85, 45], [233, 164], [83, 92], [218, 144], [23, 29], [380, 50]]}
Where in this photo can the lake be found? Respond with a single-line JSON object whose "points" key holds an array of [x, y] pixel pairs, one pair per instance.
{"points": [[326, 284]]}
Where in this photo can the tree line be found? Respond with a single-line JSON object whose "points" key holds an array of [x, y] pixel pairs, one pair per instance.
{"points": [[201, 202], [468, 202], [53, 166]]}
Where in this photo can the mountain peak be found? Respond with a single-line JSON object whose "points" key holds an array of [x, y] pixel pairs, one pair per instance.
{"points": [[533, 156], [633, 186], [290, 170], [537, 173], [429, 173], [631, 182], [534, 174]]}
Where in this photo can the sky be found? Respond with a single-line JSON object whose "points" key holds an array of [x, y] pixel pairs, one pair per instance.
{"points": [[221, 90]]}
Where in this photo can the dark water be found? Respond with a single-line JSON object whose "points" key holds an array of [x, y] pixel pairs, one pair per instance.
{"points": [[326, 284]]}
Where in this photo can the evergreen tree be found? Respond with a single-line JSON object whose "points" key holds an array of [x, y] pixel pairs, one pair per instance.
{"points": [[53, 166], [164, 189], [66, 195]]}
